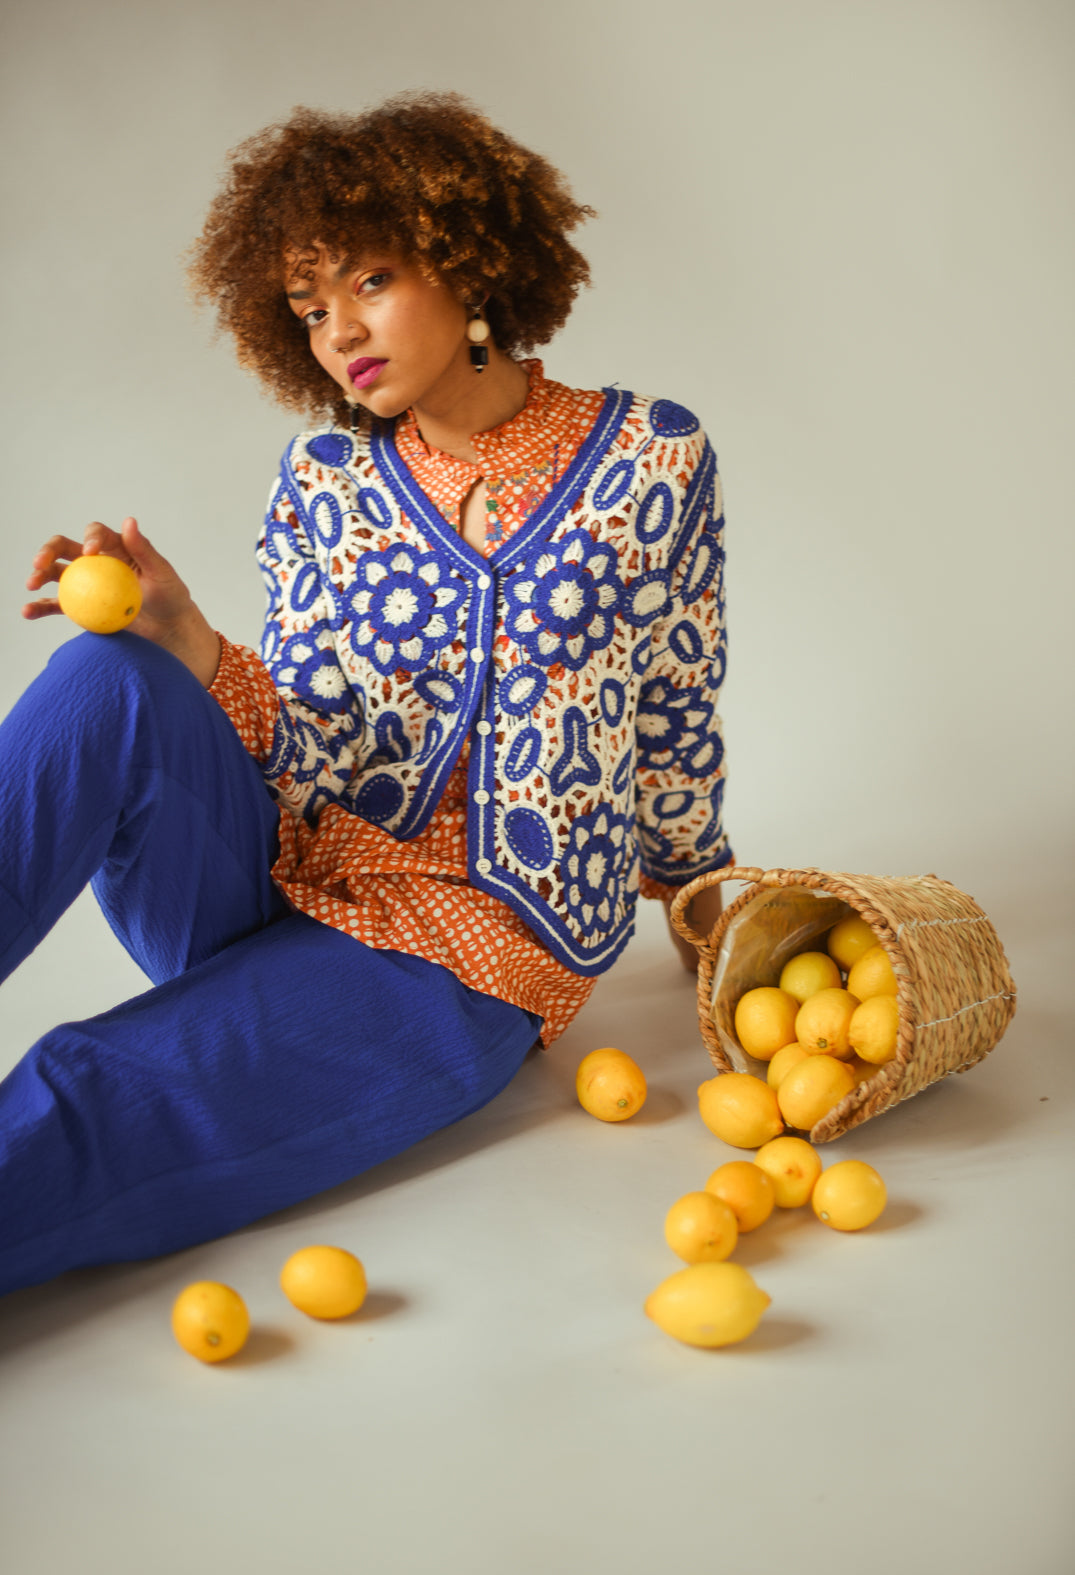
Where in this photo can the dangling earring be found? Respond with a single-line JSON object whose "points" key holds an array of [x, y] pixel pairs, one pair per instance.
{"points": [[478, 333]]}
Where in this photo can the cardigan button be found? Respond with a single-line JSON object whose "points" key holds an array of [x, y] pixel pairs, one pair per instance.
{"points": [[484, 728], [483, 582], [477, 655], [481, 796], [483, 866]]}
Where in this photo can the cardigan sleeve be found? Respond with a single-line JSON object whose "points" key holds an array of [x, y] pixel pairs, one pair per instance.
{"points": [[680, 769], [293, 707]]}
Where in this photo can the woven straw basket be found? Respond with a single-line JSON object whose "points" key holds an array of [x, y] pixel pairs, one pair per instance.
{"points": [[954, 991]]}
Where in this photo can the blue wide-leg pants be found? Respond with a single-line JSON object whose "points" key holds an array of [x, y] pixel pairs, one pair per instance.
{"points": [[273, 1057]]}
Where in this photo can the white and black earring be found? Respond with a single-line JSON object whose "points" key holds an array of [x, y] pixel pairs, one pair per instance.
{"points": [[478, 333]]}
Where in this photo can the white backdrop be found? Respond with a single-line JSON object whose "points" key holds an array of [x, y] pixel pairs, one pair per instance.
{"points": [[842, 232]]}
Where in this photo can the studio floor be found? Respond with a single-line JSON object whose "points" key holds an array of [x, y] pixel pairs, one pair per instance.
{"points": [[501, 1403]]}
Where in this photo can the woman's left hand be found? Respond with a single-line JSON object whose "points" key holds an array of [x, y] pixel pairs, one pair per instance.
{"points": [[702, 913]]}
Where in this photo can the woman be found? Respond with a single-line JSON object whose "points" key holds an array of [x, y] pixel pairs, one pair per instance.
{"points": [[366, 869]]}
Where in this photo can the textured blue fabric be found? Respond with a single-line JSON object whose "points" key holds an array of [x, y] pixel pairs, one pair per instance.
{"points": [[275, 1056]]}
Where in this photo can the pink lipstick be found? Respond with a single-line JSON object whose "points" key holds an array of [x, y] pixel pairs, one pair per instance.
{"points": [[363, 371]]}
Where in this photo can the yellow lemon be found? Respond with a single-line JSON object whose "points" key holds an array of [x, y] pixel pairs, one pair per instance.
{"points": [[809, 972], [783, 1061], [765, 1021], [324, 1282], [848, 940], [100, 593], [210, 1320], [746, 1190], [872, 975], [793, 1167], [863, 1070], [822, 1023], [874, 1027], [740, 1109], [708, 1304], [610, 1085], [700, 1228], [812, 1088], [849, 1195]]}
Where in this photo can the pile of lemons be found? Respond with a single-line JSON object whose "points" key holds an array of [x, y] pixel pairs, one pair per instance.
{"points": [[827, 1026], [713, 1302]]}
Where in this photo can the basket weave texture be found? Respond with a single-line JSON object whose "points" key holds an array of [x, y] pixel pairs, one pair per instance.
{"points": [[955, 993]]}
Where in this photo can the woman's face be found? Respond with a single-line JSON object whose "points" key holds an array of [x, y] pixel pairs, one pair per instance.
{"points": [[384, 332]]}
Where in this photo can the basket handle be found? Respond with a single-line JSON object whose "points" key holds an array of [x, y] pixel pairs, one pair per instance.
{"points": [[702, 883]]}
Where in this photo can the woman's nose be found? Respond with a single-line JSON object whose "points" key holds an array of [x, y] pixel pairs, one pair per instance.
{"points": [[345, 328]]}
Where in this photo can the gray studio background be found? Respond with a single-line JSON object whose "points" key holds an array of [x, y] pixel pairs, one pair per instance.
{"points": [[842, 233]]}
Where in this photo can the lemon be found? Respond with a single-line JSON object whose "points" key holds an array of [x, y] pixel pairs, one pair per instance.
{"points": [[610, 1085], [210, 1320], [765, 1021], [848, 940], [747, 1191], [849, 1196], [100, 593], [872, 975], [809, 972], [793, 1166], [740, 1109], [324, 1282], [812, 1088], [708, 1304], [783, 1061], [823, 1021], [874, 1027], [863, 1070], [700, 1228]]}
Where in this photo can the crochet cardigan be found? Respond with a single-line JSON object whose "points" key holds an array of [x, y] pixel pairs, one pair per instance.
{"points": [[581, 661]]}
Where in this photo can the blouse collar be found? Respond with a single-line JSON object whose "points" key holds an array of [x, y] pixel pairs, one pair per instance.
{"points": [[524, 441]]}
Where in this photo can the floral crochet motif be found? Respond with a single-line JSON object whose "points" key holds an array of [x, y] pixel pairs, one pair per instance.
{"points": [[565, 609], [398, 603], [592, 867], [675, 727]]}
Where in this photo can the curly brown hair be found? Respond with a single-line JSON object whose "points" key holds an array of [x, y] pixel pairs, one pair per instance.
{"points": [[425, 175]]}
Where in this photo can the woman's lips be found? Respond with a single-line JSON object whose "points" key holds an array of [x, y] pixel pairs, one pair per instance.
{"points": [[363, 371]]}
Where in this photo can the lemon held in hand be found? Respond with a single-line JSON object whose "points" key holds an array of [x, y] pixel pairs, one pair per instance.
{"points": [[210, 1320], [610, 1085], [99, 593], [324, 1282]]}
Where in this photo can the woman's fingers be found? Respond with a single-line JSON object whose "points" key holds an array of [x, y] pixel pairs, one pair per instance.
{"points": [[143, 555], [46, 565], [51, 560], [44, 607]]}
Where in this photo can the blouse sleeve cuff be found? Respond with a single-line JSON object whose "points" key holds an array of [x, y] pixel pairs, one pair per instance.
{"points": [[243, 689]]}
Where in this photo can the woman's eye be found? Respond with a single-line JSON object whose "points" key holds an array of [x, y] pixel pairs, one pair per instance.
{"points": [[311, 319], [374, 280]]}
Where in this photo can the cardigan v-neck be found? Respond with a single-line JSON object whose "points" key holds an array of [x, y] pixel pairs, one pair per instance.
{"points": [[520, 461]]}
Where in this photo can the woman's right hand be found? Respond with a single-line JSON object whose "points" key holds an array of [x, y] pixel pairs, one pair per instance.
{"points": [[168, 616]]}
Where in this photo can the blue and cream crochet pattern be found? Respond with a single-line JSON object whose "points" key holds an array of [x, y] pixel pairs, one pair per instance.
{"points": [[583, 661]]}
